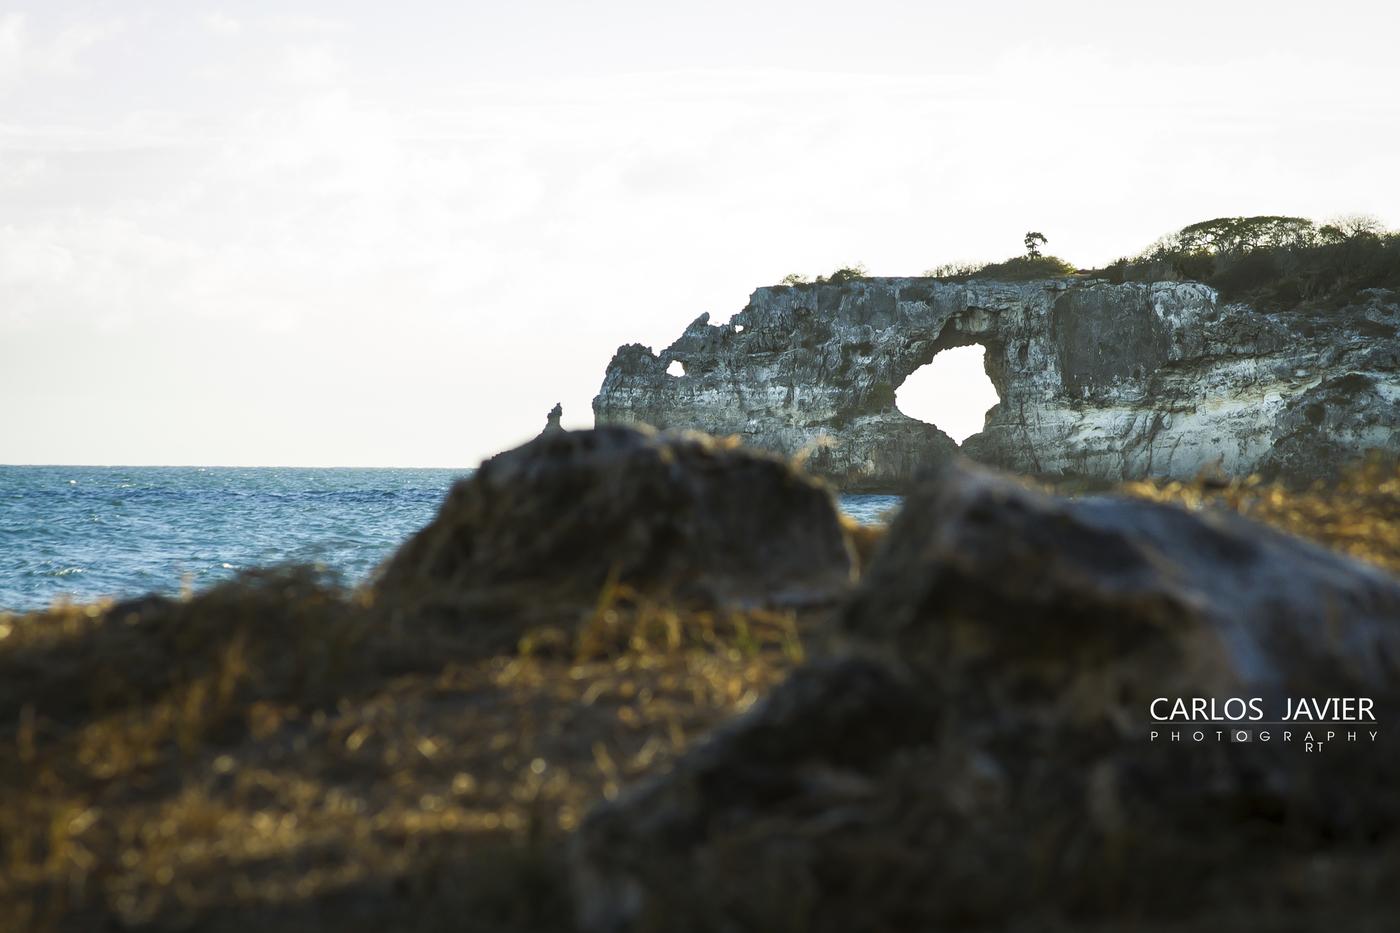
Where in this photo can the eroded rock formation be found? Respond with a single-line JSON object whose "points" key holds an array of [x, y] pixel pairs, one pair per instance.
{"points": [[551, 420], [1112, 381]]}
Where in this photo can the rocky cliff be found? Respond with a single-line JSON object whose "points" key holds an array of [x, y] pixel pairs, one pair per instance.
{"points": [[1095, 379]]}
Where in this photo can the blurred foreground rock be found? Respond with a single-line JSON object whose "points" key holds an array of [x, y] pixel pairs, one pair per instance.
{"points": [[979, 755], [680, 515], [970, 750], [282, 754]]}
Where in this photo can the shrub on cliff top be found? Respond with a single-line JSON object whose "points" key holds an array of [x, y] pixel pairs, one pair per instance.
{"points": [[1017, 269], [1230, 235], [843, 275], [952, 270], [1273, 260], [1025, 268]]}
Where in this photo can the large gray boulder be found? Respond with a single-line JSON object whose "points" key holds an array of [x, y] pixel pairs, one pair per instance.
{"points": [[979, 753]]}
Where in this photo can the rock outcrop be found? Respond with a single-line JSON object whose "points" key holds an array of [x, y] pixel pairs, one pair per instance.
{"points": [[680, 515], [1112, 381], [980, 755], [551, 420], [969, 748]]}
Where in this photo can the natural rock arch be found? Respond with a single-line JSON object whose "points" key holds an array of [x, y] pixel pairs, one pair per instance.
{"points": [[1096, 379], [952, 392]]}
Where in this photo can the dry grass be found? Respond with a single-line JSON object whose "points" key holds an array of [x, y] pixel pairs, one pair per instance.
{"points": [[281, 754], [1357, 514], [275, 752]]}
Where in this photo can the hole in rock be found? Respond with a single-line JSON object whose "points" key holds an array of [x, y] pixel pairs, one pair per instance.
{"points": [[738, 328], [677, 368], [952, 392]]}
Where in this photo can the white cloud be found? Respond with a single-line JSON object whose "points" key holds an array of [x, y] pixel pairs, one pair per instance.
{"points": [[310, 65], [339, 254], [24, 58], [222, 24], [19, 171], [293, 23]]}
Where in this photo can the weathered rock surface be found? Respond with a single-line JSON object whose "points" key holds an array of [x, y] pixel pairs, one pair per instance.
{"points": [[981, 755], [551, 420], [681, 515], [1113, 381]]}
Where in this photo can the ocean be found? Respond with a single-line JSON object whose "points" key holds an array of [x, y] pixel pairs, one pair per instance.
{"points": [[83, 532]]}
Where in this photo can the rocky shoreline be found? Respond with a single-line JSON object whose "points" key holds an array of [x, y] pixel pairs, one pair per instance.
{"points": [[639, 681]]}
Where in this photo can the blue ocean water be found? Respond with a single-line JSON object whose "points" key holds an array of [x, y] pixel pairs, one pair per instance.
{"points": [[83, 533]]}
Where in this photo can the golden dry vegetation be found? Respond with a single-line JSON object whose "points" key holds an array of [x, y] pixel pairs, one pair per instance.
{"points": [[274, 753], [1357, 514], [280, 754]]}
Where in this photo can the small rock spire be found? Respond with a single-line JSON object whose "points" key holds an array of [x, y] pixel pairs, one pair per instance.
{"points": [[551, 421]]}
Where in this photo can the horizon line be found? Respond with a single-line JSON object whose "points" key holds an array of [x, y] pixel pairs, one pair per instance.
{"points": [[229, 466]]}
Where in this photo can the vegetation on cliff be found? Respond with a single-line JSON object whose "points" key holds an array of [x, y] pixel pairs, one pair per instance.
{"points": [[852, 273], [1015, 269], [1033, 265], [1273, 261], [1270, 260]]}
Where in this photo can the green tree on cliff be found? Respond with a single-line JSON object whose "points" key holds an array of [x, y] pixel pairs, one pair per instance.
{"points": [[1276, 261], [1034, 240]]}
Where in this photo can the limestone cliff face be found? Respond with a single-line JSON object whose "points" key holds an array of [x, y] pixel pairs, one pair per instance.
{"points": [[1111, 381]]}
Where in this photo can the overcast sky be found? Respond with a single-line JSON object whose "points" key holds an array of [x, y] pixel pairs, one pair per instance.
{"points": [[353, 233]]}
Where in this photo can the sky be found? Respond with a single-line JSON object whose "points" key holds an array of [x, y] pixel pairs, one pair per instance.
{"points": [[352, 233]]}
